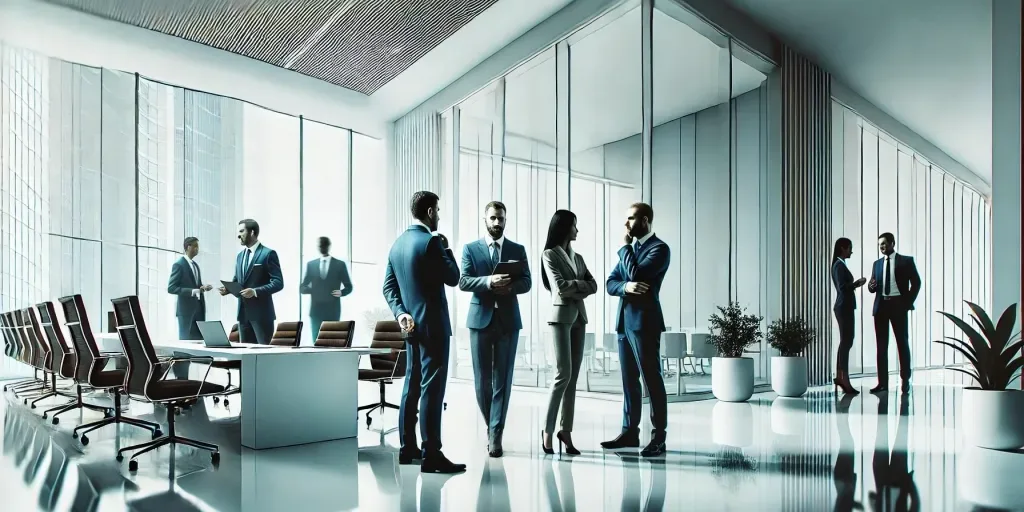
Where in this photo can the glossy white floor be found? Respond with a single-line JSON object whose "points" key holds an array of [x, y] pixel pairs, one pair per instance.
{"points": [[815, 453]]}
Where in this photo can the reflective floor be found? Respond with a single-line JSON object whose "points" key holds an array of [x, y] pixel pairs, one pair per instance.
{"points": [[814, 453]]}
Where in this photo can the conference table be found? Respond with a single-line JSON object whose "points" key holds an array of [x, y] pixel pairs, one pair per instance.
{"points": [[290, 395]]}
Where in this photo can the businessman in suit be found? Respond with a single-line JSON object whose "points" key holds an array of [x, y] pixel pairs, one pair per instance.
{"points": [[636, 280], [420, 264], [494, 321], [186, 282], [258, 269], [326, 282], [896, 285]]}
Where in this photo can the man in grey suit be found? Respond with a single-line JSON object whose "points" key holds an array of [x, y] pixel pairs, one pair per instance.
{"points": [[186, 282], [494, 321], [326, 282]]}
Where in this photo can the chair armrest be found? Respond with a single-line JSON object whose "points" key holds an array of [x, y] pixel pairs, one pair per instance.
{"points": [[398, 351], [109, 355]]}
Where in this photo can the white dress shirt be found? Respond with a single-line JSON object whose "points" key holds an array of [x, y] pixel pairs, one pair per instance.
{"points": [[252, 257], [894, 291], [642, 240], [197, 293], [487, 240], [325, 266]]}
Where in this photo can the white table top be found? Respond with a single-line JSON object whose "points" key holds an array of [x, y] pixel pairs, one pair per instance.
{"points": [[107, 341]]}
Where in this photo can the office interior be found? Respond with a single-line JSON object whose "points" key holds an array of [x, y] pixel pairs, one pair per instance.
{"points": [[112, 158]]}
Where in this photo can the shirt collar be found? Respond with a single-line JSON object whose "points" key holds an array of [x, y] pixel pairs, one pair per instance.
{"points": [[417, 222], [892, 256], [645, 238], [325, 257], [254, 247], [189, 260], [500, 241]]}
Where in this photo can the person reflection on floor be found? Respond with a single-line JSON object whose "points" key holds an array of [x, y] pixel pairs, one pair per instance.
{"points": [[631, 494], [895, 489], [565, 500], [843, 475]]}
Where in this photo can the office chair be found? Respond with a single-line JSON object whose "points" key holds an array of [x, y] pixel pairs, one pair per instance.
{"points": [[143, 383], [19, 352], [62, 360], [68, 367], [39, 359], [384, 368], [287, 334], [91, 369], [335, 334]]}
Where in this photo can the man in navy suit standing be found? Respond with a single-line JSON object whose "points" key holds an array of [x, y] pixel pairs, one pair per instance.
{"points": [[896, 284], [326, 282], [420, 264], [258, 268], [186, 282], [636, 280], [494, 320]]}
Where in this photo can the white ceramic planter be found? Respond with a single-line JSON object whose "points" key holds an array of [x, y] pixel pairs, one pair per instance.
{"points": [[990, 478], [732, 378], [993, 419], [732, 424], [789, 376], [788, 416]]}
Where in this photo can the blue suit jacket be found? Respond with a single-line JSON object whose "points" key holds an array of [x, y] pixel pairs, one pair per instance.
{"points": [[181, 283], [476, 272], [649, 265], [321, 303], [263, 276], [417, 272], [842, 279], [908, 281]]}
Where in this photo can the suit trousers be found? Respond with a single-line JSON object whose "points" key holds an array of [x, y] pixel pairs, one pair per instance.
{"points": [[846, 322], [255, 331], [315, 321], [188, 329], [426, 377], [494, 359], [640, 358], [568, 342], [892, 312]]}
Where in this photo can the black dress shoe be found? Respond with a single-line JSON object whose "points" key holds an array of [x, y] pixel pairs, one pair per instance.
{"points": [[654, 449], [881, 388], [627, 439], [494, 448], [438, 463], [409, 456]]}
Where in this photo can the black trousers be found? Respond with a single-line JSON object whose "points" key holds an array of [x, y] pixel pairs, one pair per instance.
{"points": [[188, 329], [893, 313], [845, 319]]}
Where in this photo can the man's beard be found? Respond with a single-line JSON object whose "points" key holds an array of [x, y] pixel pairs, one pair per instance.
{"points": [[495, 232]]}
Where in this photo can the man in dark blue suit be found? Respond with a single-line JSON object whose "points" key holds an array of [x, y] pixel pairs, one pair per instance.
{"points": [[186, 282], [896, 285], [326, 282], [494, 321], [636, 280], [258, 268], [420, 264]]}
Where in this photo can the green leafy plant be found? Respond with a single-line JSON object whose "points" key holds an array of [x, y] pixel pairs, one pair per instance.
{"points": [[732, 330], [372, 316], [993, 349], [790, 336]]}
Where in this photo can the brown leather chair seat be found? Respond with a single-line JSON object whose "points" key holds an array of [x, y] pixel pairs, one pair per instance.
{"points": [[174, 388], [107, 379], [373, 374]]}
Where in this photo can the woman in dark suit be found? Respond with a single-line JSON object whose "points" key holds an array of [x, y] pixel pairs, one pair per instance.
{"points": [[844, 308], [566, 276]]}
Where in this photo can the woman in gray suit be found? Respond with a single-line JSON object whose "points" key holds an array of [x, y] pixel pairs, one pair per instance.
{"points": [[566, 276]]}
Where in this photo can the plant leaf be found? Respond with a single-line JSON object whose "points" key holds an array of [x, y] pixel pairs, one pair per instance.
{"points": [[978, 341], [971, 358], [1007, 374], [962, 344], [973, 376], [982, 316], [1004, 330], [1009, 353]]}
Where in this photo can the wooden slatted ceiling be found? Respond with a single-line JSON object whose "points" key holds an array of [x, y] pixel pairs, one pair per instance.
{"points": [[357, 44]]}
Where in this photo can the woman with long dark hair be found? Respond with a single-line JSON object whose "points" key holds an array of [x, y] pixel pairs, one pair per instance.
{"points": [[566, 276], [844, 309]]}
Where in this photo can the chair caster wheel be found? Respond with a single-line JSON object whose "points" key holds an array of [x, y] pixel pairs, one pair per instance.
{"points": [[74, 435], [108, 413], [24, 402], [133, 465], [226, 402], [55, 420], [85, 440], [33, 406], [157, 433], [216, 399], [369, 420], [215, 458], [120, 458], [45, 415], [445, 407]]}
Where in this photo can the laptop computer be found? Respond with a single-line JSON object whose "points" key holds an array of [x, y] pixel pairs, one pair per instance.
{"points": [[214, 336]]}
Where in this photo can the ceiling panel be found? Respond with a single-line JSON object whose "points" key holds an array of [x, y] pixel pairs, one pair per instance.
{"points": [[357, 44]]}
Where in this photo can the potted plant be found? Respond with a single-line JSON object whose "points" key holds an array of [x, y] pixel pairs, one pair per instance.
{"points": [[732, 331], [993, 415], [790, 336]]}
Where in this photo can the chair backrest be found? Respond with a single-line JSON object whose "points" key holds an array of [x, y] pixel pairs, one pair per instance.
{"points": [[233, 336], [335, 334], [14, 333], [288, 334], [77, 322], [41, 348], [701, 346], [131, 328], [25, 355], [10, 345], [388, 334], [62, 356]]}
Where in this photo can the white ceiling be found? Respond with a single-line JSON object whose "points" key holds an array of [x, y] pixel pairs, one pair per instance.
{"points": [[927, 63]]}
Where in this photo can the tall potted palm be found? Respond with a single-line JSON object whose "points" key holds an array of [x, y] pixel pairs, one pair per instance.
{"points": [[993, 414], [732, 331], [790, 336]]}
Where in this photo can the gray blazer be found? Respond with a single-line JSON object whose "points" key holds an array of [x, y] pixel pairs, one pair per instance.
{"points": [[568, 286]]}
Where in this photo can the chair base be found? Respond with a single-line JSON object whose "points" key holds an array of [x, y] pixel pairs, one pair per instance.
{"points": [[78, 403], [170, 439], [114, 420]]}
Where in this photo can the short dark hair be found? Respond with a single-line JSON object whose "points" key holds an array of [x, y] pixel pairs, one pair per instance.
{"points": [[251, 225], [497, 205], [888, 238], [644, 210], [421, 202], [189, 242], [324, 240]]}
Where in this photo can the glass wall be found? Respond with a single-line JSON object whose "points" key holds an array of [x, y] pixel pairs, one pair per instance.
{"points": [[881, 185], [105, 173], [572, 118]]}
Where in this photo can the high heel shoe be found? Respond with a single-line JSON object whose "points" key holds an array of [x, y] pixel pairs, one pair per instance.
{"points": [[842, 381], [564, 439], [549, 451]]}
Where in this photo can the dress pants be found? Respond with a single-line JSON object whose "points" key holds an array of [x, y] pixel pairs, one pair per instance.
{"points": [[846, 322], [255, 331], [494, 358], [188, 329], [426, 376], [640, 358], [892, 312], [568, 342]]}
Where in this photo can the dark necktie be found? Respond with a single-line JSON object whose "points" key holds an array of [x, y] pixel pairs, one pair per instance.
{"points": [[195, 274], [888, 282], [636, 246], [245, 264], [495, 254]]}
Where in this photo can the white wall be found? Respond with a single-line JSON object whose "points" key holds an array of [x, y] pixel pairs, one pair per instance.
{"points": [[1006, 164]]}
